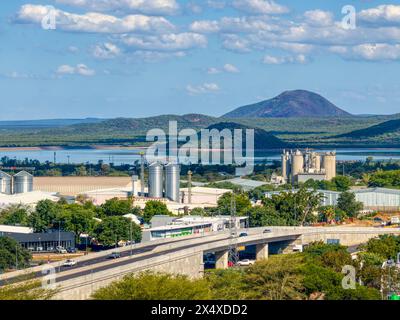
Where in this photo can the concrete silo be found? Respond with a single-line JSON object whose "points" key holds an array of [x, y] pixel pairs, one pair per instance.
{"points": [[172, 182], [285, 165], [23, 182], [329, 164], [5, 183], [156, 180], [297, 164]]}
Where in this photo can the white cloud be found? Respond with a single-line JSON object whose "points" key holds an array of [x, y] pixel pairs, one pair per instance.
{"points": [[374, 52], [213, 70], [166, 42], [106, 51], [80, 69], [144, 6], [381, 15], [301, 59], [259, 6], [202, 89], [319, 18], [94, 22], [230, 68]]}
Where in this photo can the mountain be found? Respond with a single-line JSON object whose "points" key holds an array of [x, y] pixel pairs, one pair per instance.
{"points": [[290, 104], [263, 140], [45, 123], [388, 128]]}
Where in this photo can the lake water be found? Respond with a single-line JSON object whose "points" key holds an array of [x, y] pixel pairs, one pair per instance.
{"points": [[128, 156]]}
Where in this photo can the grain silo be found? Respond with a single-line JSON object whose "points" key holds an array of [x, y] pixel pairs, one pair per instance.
{"points": [[155, 180], [329, 164], [5, 183], [172, 182], [23, 182], [297, 164]]}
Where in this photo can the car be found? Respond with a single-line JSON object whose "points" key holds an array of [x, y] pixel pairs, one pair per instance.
{"points": [[61, 250], [243, 234], [114, 255], [39, 249], [69, 263], [71, 250], [267, 231], [245, 263]]}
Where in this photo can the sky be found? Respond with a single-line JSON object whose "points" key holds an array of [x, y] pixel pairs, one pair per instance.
{"points": [[140, 58]]}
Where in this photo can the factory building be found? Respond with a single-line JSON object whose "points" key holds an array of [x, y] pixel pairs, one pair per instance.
{"points": [[298, 166], [375, 199]]}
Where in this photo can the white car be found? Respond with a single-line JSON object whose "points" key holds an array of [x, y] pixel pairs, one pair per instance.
{"points": [[245, 263], [69, 263]]}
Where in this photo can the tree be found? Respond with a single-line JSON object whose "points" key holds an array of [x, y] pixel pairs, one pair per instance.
{"points": [[45, 215], [261, 216], [153, 208], [12, 253], [150, 286], [295, 208], [77, 219], [242, 203], [15, 215], [342, 183], [347, 202], [116, 207], [112, 230]]}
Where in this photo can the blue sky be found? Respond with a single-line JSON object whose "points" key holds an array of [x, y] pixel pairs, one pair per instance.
{"points": [[135, 58]]}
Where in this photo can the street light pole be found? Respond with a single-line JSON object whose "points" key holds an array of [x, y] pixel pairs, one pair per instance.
{"points": [[16, 256]]}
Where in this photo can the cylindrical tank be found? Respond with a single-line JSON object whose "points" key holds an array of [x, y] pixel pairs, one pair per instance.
{"points": [[317, 162], [155, 180], [23, 182], [297, 164], [172, 182], [285, 165], [5, 183], [329, 164]]}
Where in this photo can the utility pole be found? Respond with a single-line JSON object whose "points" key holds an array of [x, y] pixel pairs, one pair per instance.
{"points": [[55, 157], [190, 187], [16, 256], [233, 248], [142, 173], [130, 231]]}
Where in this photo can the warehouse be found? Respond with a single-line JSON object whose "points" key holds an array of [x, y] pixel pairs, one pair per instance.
{"points": [[377, 199]]}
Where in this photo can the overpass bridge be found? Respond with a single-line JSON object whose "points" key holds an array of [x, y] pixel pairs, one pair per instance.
{"points": [[183, 256]]}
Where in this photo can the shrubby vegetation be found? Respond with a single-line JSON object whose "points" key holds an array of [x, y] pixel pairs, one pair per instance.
{"points": [[314, 274]]}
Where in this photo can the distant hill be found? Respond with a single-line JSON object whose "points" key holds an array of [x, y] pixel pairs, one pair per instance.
{"points": [[263, 140], [45, 123], [387, 128], [140, 125], [290, 104]]}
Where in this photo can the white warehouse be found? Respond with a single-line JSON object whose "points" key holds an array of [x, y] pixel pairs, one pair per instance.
{"points": [[380, 199]]}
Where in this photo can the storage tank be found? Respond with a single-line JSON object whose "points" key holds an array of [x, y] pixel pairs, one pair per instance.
{"points": [[297, 164], [285, 165], [155, 180], [5, 183], [317, 162], [172, 182], [329, 164], [23, 182]]}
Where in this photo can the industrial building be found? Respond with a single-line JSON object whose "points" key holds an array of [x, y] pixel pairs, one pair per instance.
{"points": [[298, 166], [38, 242], [190, 225], [376, 199]]}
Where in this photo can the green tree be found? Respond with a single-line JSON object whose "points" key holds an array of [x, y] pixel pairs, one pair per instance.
{"points": [[114, 229], [16, 214], [342, 183], [12, 253], [75, 218], [261, 216], [116, 207], [45, 215], [242, 203], [347, 202], [154, 208], [149, 286]]}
